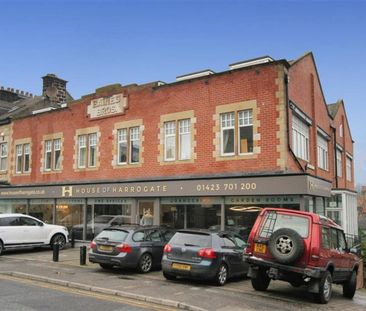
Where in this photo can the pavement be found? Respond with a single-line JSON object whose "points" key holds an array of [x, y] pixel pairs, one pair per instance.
{"points": [[184, 294]]}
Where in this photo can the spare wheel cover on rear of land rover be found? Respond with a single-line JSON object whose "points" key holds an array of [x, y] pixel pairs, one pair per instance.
{"points": [[286, 245]]}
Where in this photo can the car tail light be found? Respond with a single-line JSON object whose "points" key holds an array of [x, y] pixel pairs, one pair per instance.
{"points": [[124, 248], [167, 248], [207, 253], [92, 245]]}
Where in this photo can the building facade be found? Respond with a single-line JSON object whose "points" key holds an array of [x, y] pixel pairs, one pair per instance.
{"points": [[208, 151]]}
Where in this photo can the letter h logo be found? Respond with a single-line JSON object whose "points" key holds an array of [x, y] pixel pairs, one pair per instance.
{"points": [[67, 191]]}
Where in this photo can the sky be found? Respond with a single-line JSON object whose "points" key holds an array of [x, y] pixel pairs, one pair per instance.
{"points": [[93, 43]]}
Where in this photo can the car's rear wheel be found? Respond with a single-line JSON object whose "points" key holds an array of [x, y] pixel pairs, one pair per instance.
{"points": [[169, 276], [1, 247], [58, 239], [261, 281], [286, 245], [325, 288], [221, 275], [106, 266], [145, 263], [349, 287]]}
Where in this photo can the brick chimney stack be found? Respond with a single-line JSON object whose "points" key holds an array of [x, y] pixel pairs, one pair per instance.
{"points": [[54, 88]]}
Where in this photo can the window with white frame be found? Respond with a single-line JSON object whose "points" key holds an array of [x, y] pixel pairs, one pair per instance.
{"points": [[92, 151], [228, 133], [245, 131], [177, 144], [57, 154], [87, 150], [128, 145], [22, 160], [3, 156], [236, 132], [169, 141], [52, 157], [300, 138], [185, 139], [48, 155], [349, 168], [122, 146], [322, 152], [134, 145], [339, 162]]}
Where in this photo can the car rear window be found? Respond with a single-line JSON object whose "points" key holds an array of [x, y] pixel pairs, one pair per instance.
{"points": [[191, 239], [274, 221], [112, 235]]}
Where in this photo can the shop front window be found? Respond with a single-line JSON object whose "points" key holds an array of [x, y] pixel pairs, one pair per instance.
{"points": [[13, 206], [42, 210], [240, 219], [69, 214], [191, 216], [102, 213]]}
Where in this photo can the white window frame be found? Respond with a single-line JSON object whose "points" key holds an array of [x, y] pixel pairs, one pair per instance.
{"points": [[57, 160], [92, 144], [48, 151], [339, 163], [122, 138], [227, 122], [170, 134], [185, 151], [82, 139], [323, 155], [19, 158], [348, 168], [3, 156], [245, 119], [300, 138], [26, 153], [134, 137]]}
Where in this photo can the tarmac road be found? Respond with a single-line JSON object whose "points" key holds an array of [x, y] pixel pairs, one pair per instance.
{"points": [[192, 295], [26, 295]]}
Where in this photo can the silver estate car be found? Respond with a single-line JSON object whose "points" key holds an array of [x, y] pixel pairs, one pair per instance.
{"points": [[130, 246]]}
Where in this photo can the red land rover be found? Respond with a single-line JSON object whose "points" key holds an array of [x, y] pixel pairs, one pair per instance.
{"points": [[303, 249]]}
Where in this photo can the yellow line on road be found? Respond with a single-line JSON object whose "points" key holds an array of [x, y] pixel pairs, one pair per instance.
{"points": [[100, 296]]}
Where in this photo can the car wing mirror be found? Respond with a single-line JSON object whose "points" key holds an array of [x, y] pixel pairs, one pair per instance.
{"points": [[41, 224]]}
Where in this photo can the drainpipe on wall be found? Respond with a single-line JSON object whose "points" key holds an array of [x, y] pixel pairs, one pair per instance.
{"points": [[288, 124]]}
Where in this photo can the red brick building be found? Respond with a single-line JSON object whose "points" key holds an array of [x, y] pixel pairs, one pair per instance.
{"points": [[208, 150]]}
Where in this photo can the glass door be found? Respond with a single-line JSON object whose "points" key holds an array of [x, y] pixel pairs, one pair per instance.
{"points": [[146, 212]]}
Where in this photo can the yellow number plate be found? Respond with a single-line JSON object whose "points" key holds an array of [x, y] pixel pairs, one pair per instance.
{"points": [[260, 248], [179, 266], [105, 248]]}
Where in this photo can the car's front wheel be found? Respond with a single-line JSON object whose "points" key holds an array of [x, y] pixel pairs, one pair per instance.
{"points": [[58, 239], [145, 263], [1, 247], [261, 281], [349, 287], [325, 288]]}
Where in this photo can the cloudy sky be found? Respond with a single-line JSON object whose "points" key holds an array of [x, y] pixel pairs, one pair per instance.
{"points": [[95, 43]]}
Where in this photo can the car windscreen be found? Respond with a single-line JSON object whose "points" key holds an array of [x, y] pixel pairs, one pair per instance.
{"points": [[112, 235], [191, 239], [102, 219], [274, 221]]}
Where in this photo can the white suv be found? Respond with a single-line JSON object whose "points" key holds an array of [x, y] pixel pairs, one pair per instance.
{"points": [[19, 231]]}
